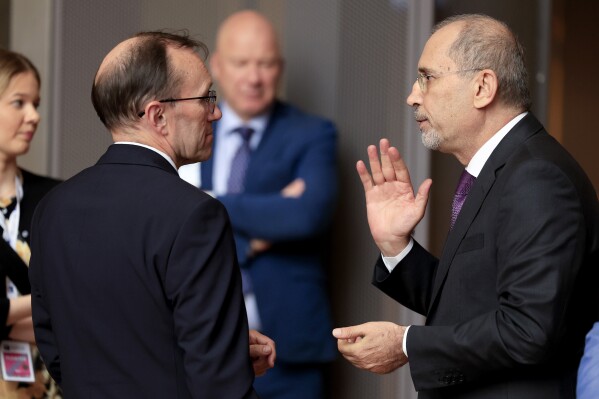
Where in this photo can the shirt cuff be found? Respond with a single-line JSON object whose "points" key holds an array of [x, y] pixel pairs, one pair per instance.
{"points": [[392, 261], [404, 345]]}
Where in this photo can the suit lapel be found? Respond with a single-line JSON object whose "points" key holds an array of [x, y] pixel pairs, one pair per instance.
{"points": [[269, 145], [528, 126]]}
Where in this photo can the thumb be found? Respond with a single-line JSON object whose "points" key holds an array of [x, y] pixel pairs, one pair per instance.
{"points": [[347, 332]]}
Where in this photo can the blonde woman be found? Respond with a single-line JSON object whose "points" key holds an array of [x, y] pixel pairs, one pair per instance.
{"points": [[20, 191]]}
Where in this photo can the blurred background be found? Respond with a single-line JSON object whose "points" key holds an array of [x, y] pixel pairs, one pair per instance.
{"points": [[352, 61]]}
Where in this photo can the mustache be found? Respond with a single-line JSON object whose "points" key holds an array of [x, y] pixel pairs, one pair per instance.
{"points": [[419, 115]]}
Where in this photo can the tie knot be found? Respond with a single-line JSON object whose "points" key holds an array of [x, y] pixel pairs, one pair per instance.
{"points": [[245, 132], [465, 183]]}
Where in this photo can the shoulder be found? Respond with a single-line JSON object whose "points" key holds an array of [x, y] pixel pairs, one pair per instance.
{"points": [[543, 152], [295, 118]]}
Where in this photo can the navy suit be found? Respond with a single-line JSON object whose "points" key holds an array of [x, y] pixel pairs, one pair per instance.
{"points": [[136, 292], [289, 279], [515, 290]]}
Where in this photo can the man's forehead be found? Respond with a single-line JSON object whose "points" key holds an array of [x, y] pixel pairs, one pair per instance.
{"points": [[435, 56]]}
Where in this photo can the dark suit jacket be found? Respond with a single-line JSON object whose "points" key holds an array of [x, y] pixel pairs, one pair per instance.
{"points": [[136, 292], [11, 264], [290, 279], [515, 290]]}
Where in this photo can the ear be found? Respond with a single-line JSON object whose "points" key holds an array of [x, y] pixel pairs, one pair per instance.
{"points": [[156, 116], [486, 88]]}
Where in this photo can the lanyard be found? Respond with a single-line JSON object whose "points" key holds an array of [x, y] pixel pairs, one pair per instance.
{"points": [[10, 226]]}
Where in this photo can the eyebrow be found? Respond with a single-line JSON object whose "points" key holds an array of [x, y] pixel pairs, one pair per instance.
{"points": [[25, 95]]}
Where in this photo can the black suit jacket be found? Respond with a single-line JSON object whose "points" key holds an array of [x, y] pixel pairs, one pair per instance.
{"points": [[136, 292], [515, 290], [11, 264]]}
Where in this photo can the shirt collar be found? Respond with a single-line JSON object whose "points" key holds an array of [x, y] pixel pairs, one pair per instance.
{"points": [[482, 155], [231, 121], [150, 148]]}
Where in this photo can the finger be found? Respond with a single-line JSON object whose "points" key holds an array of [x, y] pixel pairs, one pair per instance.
{"points": [[260, 367], [364, 176], [259, 338], [345, 333], [423, 194], [272, 358], [386, 164], [400, 169], [375, 165], [257, 351]]}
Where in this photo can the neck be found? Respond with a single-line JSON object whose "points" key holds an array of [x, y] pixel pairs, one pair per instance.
{"points": [[155, 141], [8, 172], [491, 124]]}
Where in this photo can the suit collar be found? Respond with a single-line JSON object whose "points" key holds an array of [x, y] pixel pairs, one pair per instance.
{"points": [[135, 155], [521, 132]]}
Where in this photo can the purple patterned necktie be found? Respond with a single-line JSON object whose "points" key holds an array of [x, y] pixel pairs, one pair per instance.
{"points": [[236, 184], [239, 166], [461, 192]]}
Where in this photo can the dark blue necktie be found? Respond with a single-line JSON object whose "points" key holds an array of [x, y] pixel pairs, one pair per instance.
{"points": [[461, 192], [239, 165], [236, 184]]}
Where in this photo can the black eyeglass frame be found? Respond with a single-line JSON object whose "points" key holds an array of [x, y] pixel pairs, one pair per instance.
{"points": [[211, 97]]}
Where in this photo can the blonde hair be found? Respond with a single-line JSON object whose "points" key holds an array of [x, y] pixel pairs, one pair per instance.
{"points": [[12, 64]]}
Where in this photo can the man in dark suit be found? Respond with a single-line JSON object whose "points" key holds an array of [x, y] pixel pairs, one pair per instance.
{"points": [[514, 292], [136, 291], [280, 208]]}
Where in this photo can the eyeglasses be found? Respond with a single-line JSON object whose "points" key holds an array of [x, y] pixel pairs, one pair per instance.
{"points": [[424, 78], [210, 99]]}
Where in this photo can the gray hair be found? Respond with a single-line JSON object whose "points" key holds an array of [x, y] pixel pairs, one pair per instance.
{"points": [[485, 42]]}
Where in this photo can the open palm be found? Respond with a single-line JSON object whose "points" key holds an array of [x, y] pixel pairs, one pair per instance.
{"points": [[392, 208]]}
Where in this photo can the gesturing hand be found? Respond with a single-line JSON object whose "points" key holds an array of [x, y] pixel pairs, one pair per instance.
{"points": [[374, 346], [393, 209]]}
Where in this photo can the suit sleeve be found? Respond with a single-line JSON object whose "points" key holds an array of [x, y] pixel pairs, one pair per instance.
{"points": [[411, 281], [203, 283], [540, 230], [292, 218], [42, 323]]}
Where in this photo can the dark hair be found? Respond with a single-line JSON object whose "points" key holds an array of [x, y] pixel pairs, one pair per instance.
{"points": [[12, 64], [143, 73], [485, 42]]}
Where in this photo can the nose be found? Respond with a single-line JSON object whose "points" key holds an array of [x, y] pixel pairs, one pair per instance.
{"points": [[33, 116], [253, 74], [216, 115], [415, 97]]}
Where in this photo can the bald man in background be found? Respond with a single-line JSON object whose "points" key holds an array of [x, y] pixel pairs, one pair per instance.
{"points": [[280, 207]]}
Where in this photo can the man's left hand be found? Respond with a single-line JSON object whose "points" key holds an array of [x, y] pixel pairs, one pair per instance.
{"points": [[374, 346], [262, 352]]}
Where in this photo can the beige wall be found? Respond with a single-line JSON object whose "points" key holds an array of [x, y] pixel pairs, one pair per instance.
{"points": [[34, 40]]}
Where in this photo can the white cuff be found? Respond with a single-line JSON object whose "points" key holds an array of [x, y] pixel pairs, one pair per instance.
{"points": [[404, 345], [392, 261]]}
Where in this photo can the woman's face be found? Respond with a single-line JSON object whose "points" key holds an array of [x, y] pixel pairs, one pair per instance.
{"points": [[18, 114]]}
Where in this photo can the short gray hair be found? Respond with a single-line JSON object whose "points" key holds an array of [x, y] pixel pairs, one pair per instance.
{"points": [[484, 42]]}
